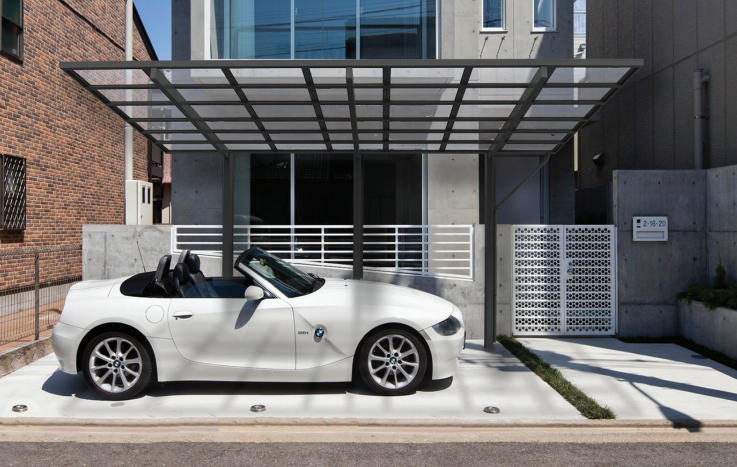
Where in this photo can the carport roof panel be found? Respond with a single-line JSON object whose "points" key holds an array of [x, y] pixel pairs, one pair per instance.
{"points": [[345, 106]]}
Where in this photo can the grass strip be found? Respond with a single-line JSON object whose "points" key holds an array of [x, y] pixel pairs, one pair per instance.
{"points": [[687, 344], [588, 407]]}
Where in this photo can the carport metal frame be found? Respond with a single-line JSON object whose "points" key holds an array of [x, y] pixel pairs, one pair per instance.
{"points": [[492, 150]]}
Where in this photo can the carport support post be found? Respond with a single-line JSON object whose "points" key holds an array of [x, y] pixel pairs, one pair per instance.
{"points": [[228, 215], [357, 216], [490, 251]]}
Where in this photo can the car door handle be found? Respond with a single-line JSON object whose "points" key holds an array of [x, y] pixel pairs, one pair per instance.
{"points": [[183, 315]]}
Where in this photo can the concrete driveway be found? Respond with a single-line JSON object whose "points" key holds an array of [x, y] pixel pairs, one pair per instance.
{"points": [[484, 378], [644, 381]]}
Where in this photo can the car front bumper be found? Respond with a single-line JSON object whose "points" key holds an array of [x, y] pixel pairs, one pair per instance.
{"points": [[65, 341], [445, 351]]}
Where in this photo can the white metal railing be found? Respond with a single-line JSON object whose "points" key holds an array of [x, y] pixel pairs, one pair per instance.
{"points": [[579, 23], [418, 250]]}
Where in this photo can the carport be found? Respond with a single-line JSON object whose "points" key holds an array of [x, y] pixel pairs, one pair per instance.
{"points": [[494, 108]]}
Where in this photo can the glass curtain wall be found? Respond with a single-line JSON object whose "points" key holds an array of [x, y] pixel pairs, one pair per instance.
{"points": [[322, 29], [316, 195], [322, 185]]}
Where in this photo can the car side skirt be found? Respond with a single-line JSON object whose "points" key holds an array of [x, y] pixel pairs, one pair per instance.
{"points": [[177, 368]]}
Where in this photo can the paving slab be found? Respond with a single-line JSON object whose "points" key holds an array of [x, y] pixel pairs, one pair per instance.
{"points": [[644, 381], [484, 378]]}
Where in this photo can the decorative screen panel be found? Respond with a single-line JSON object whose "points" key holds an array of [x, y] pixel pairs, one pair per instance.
{"points": [[13, 190], [537, 303], [589, 283], [564, 280]]}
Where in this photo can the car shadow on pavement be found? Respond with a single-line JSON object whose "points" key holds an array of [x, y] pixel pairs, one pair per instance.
{"points": [[66, 385]]}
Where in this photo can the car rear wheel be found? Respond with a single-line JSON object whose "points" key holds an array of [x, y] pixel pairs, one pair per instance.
{"points": [[393, 362], [116, 366]]}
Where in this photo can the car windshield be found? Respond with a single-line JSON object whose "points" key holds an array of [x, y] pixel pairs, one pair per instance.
{"points": [[288, 279]]}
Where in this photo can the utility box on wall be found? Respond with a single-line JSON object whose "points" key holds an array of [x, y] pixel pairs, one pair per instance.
{"points": [[139, 203]]}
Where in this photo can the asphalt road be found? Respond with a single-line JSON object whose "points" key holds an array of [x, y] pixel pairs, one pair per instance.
{"points": [[367, 454]]}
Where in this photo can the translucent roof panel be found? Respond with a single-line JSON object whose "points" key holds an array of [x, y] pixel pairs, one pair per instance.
{"points": [[505, 107]]}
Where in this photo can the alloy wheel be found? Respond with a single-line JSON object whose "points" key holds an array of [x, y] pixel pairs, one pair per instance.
{"points": [[115, 365], [393, 361]]}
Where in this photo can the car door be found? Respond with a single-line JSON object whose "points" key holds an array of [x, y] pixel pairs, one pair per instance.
{"points": [[234, 332]]}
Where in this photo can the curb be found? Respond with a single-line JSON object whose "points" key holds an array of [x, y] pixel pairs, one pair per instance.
{"points": [[22, 355], [373, 423]]}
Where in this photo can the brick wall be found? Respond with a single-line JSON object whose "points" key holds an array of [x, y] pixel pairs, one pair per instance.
{"points": [[73, 144]]}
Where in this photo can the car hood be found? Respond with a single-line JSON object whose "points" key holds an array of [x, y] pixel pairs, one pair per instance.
{"points": [[376, 298]]}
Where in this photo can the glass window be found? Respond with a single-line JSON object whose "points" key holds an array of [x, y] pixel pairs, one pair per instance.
{"points": [[11, 36], [493, 14], [261, 189], [579, 18], [392, 187], [397, 29], [323, 189], [324, 29], [544, 12], [251, 29]]}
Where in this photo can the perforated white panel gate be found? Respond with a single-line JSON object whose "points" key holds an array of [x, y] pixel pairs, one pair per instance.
{"points": [[564, 280]]}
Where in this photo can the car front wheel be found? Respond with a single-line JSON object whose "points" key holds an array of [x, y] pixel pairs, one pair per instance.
{"points": [[116, 366], [393, 362]]}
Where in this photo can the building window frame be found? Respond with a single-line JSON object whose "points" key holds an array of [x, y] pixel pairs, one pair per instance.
{"points": [[13, 193], [503, 27], [554, 27], [208, 13], [8, 22]]}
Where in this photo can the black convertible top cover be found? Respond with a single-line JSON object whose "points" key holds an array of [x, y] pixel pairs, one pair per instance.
{"points": [[134, 286]]}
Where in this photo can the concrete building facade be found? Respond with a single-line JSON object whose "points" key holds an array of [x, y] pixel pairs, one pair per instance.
{"points": [[650, 123], [454, 29]]}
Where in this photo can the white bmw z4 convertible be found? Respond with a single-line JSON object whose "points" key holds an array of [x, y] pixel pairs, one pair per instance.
{"points": [[274, 323]]}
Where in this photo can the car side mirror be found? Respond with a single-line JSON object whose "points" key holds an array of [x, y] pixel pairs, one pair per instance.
{"points": [[254, 293]]}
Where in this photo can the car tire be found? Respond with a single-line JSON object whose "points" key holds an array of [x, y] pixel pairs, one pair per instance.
{"points": [[392, 362], [116, 366]]}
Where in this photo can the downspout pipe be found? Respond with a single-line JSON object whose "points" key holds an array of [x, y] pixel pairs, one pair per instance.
{"points": [[128, 135], [699, 80]]}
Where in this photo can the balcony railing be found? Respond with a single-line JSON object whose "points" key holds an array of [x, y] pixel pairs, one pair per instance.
{"points": [[445, 251]]}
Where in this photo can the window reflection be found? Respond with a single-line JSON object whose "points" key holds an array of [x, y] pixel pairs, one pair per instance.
{"points": [[398, 29], [494, 14], [324, 29], [544, 14], [251, 29]]}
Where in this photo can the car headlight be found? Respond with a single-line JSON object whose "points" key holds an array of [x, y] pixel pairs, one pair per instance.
{"points": [[448, 327]]}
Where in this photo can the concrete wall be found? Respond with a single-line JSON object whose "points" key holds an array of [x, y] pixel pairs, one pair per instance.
{"points": [[649, 124], [714, 329], [701, 207], [461, 35], [197, 189], [111, 251], [721, 221], [180, 30]]}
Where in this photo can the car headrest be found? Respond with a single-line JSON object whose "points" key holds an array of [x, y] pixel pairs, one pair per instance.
{"points": [[183, 256], [193, 263], [163, 268], [181, 273]]}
